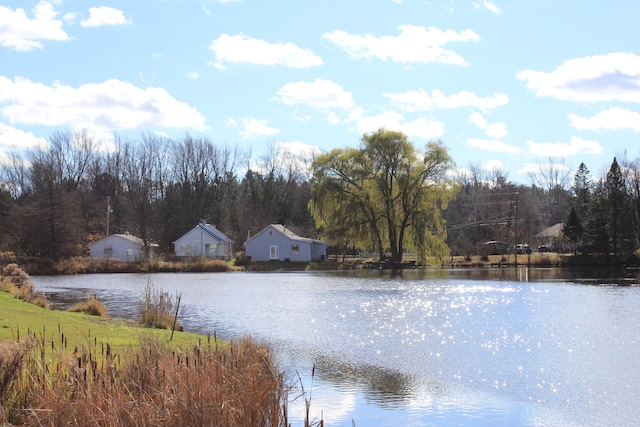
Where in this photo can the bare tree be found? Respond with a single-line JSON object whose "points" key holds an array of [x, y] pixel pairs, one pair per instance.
{"points": [[552, 178]]}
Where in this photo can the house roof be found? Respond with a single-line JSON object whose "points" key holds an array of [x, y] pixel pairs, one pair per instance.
{"points": [[553, 231], [211, 231], [285, 231], [126, 236]]}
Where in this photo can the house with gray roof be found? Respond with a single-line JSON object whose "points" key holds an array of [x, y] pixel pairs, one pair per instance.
{"points": [[121, 247], [204, 240], [278, 243]]}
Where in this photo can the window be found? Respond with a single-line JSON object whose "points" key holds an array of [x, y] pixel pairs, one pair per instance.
{"points": [[108, 251], [185, 249], [295, 249], [211, 250], [270, 232]]}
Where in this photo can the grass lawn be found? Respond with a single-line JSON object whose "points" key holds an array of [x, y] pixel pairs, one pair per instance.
{"points": [[83, 370], [19, 319]]}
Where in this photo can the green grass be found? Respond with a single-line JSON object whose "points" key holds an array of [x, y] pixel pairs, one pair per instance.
{"points": [[73, 369], [19, 319]]}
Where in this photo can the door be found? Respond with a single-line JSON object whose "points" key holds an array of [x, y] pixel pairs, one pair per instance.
{"points": [[274, 252]]}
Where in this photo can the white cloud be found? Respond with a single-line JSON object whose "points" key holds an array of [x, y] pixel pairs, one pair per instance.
{"points": [[23, 33], [193, 76], [530, 168], [494, 130], [535, 168], [563, 149], [493, 165], [421, 127], [12, 139], [110, 105], [319, 94], [243, 49], [255, 127], [103, 140], [493, 145], [612, 77], [419, 100], [103, 15], [414, 45], [487, 5], [298, 148], [612, 119]]}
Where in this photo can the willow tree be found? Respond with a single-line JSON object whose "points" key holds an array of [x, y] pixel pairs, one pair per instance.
{"points": [[386, 194]]}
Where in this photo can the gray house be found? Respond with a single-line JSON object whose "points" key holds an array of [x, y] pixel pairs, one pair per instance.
{"points": [[121, 247], [277, 243], [204, 240]]}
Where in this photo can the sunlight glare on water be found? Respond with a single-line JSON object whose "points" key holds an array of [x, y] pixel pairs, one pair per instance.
{"points": [[423, 348]]}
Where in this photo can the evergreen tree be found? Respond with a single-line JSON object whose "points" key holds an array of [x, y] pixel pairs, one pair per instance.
{"points": [[619, 225], [572, 228], [595, 232], [581, 191]]}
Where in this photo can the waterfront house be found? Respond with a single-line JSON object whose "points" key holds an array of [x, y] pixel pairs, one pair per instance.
{"points": [[204, 240], [278, 243], [121, 247], [551, 239]]}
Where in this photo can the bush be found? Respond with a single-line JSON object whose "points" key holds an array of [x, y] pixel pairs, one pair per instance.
{"points": [[17, 282], [16, 275], [92, 307]]}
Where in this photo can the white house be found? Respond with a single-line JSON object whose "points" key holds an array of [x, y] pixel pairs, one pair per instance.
{"points": [[277, 243], [204, 240], [121, 247], [551, 237]]}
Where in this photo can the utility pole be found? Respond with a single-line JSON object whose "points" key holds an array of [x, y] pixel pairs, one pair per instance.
{"points": [[108, 212], [515, 251]]}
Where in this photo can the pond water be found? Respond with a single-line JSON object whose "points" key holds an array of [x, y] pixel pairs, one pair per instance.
{"points": [[496, 347]]}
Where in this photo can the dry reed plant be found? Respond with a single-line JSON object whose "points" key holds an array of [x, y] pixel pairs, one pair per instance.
{"points": [[151, 386], [92, 307], [157, 309]]}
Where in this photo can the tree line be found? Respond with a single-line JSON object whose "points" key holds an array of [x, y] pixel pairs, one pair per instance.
{"points": [[386, 196], [54, 199]]}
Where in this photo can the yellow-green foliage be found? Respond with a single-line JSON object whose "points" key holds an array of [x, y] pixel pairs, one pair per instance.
{"points": [[92, 307]]}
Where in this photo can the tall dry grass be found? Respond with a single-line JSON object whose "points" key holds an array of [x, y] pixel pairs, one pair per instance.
{"points": [[149, 386], [91, 306], [158, 309]]}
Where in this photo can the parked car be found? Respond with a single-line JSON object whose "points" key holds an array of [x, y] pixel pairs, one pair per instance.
{"points": [[495, 247], [522, 248]]}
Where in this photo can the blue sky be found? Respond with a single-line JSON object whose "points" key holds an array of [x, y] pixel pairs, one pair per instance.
{"points": [[504, 84]]}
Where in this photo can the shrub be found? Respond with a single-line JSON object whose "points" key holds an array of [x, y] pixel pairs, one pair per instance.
{"points": [[17, 282], [16, 275], [92, 307]]}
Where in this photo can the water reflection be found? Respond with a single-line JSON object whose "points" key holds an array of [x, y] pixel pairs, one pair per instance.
{"points": [[522, 273], [500, 346], [384, 386]]}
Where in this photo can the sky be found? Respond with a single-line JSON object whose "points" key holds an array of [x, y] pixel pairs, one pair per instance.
{"points": [[505, 85]]}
